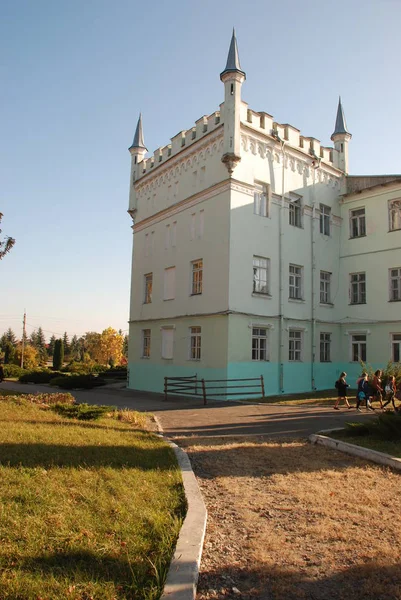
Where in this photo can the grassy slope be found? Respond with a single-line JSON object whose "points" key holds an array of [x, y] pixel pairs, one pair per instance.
{"points": [[87, 510], [388, 447]]}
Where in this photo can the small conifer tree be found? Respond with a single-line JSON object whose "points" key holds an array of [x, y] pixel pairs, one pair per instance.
{"points": [[58, 355]]}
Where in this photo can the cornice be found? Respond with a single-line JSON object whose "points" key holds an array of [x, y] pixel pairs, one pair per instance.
{"points": [[180, 160]]}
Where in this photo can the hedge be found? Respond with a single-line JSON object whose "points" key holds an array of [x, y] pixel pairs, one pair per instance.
{"points": [[13, 371], [39, 376], [77, 381]]}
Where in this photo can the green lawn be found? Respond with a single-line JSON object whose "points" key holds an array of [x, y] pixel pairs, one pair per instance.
{"points": [[88, 510], [369, 441]]}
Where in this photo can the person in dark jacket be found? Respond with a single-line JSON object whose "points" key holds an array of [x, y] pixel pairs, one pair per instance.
{"points": [[363, 392], [342, 386]]}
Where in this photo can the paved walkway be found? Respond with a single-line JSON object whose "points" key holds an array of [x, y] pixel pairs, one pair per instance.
{"points": [[184, 418]]}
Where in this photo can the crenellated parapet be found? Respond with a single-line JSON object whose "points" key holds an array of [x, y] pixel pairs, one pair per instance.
{"points": [[179, 142]]}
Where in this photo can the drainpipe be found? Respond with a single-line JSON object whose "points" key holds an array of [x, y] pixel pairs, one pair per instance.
{"points": [[315, 166], [280, 267]]}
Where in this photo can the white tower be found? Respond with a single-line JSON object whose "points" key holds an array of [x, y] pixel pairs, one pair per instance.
{"points": [[341, 137], [233, 78], [137, 151]]}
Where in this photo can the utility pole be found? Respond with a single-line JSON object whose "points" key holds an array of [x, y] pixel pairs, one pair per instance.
{"points": [[23, 339]]}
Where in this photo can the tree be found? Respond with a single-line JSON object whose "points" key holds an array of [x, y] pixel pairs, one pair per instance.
{"points": [[6, 244], [10, 336], [111, 347], [58, 355], [50, 348], [125, 346], [66, 343], [38, 340], [91, 345], [31, 356], [9, 353], [74, 348]]}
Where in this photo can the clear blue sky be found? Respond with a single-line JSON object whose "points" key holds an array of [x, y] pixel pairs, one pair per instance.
{"points": [[75, 75]]}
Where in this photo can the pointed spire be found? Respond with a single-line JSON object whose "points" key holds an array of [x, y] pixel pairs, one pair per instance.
{"points": [[233, 65], [341, 125], [138, 137]]}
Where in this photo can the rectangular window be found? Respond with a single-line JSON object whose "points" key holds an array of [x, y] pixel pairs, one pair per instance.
{"points": [[145, 343], [325, 281], [201, 223], [396, 347], [295, 345], [192, 226], [259, 343], [357, 223], [195, 347], [395, 284], [169, 283], [394, 210], [173, 234], [358, 288], [325, 343], [260, 275], [295, 281], [148, 288], [167, 238], [197, 277], [167, 343], [296, 213], [325, 213], [261, 200], [358, 348]]}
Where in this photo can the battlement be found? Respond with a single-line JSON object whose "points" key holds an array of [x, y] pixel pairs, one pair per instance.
{"points": [[181, 140], [264, 123]]}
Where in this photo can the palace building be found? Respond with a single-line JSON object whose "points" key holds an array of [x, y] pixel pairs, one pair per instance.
{"points": [[255, 253]]}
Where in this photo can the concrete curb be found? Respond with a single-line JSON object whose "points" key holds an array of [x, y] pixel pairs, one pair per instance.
{"points": [[182, 576], [372, 455]]}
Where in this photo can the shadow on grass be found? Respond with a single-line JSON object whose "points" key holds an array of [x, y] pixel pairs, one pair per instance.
{"points": [[54, 455], [130, 579], [357, 582]]}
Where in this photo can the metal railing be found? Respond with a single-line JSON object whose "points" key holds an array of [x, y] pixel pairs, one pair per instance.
{"points": [[212, 388]]}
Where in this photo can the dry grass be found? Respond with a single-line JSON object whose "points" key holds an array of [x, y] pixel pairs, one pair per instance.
{"points": [[293, 520]]}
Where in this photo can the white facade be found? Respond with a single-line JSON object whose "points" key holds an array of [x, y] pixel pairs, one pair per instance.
{"points": [[250, 256]]}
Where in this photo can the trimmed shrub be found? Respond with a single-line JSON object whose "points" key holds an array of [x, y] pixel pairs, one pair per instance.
{"points": [[115, 373], [82, 368], [58, 354], [77, 381], [13, 371], [83, 412], [386, 426], [39, 376]]}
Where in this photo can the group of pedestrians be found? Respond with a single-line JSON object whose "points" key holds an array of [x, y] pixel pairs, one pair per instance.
{"points": [[368, 391]]}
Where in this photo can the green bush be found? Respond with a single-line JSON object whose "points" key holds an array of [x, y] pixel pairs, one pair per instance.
{"points": [[82, 368], [39, 376], [13, 371], [115, 373], [77, 381], [386, 426], [83, 412]]}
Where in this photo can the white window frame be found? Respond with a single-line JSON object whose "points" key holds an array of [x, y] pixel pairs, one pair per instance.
{"points": [[394, 214], [325, 346], [357, 222], [325, 219], [396, 347], [357, 289], [295, 345], [261, 273], [169, 283], [325, 287], [295, 212], [195, 342], [146, 342], [167, 343], [260, 344], [148, 288], [261, 204], [196, 277], [356, 347], [295, 281], [394, 284]]}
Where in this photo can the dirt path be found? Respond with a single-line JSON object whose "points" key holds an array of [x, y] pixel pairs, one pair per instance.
{"points": [[294, 521]]}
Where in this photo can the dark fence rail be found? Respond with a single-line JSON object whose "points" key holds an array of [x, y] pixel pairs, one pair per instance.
{"points": [[212, 388]]}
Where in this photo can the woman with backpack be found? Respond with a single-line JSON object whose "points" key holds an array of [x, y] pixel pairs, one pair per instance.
{"points": [[391, 390], [363, 392], [341, 386]]}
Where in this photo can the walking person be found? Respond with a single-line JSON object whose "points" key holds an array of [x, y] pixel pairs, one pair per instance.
{"points": [[342, 386], [390, 390], [363, 392], [377, 387]]}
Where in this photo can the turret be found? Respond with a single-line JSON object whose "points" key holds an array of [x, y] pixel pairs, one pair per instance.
{"points": [[341, 137], [233, 77], [137, 151]]}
